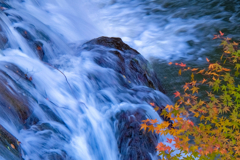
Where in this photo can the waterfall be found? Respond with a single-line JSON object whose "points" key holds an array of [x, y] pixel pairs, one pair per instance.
{"points": [[55, 99]]}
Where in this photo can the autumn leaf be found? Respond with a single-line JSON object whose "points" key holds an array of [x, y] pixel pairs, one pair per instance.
{"points": [[228, 52], [170, 63], [185, 87], [145, 121], [151, 128], [143, 126], [168, 148], [156, 108], [201, 71], [179, 72], [196, 114], [190, 122], [207, 59], [226, 69], [218, 134], [13, 146], [153, 121], [160, 147], [152, 104], [169, 140], [177, 94], [216, 36], [234, 43], [221, 33], [182, 65], [194, 69], [169, 107], [194, 89], [204, 80], [226, 109], [192, 77]]}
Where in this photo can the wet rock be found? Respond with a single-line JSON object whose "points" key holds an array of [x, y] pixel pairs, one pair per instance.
{"points": [[15, 108], [115, 54], [133, 143], [9, 145], [36, 46]]}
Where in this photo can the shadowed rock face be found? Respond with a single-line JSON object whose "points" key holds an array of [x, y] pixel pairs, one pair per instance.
{"points": [[133, 143], [16, 105], [15, 108], [9, 145], [112, 53]]}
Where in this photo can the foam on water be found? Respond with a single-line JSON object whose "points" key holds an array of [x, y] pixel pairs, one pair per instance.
{"points": [[167, 29]]}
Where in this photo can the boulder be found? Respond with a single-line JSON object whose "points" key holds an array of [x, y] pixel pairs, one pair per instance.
{"points": [[115, 54], [112, 52]]}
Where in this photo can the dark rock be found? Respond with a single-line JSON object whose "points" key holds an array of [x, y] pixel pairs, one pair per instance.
{"points": [[113, 53], [36, 46], [9, 145], [133, 143]]}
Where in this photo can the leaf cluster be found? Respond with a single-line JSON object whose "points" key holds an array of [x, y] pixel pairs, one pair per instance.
{"points": [[216, 135]]}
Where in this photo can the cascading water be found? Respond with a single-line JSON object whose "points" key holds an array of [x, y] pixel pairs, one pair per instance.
{"points": [[61, 111]]}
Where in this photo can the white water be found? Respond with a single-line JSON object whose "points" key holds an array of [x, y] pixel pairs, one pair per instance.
{"points": [[86, 131]]}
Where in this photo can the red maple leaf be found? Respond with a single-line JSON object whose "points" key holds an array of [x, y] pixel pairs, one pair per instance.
{"points": [[182, 65], [169, 140], [160, 147], [152, 104], [176, 94], [221, 33]]}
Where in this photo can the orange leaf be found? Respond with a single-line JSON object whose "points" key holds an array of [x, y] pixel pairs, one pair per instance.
{"points": [[194, 69], [226, 69], [168, 148], [12, 146], [215, 37], [153, 121], [182, 65], [143, 126], [151, 128], [201, 71], [160, 147], [169, 140], [152, 104], [145, 121], [207, 59], [204, 80], [228, 52], [170, 63], [221, 33], [190, 122], [180, 72], [169, 107], [235, 44], [176, 94]]}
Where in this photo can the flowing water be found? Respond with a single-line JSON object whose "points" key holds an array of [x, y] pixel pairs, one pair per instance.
{"points": [[77, 124]]}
